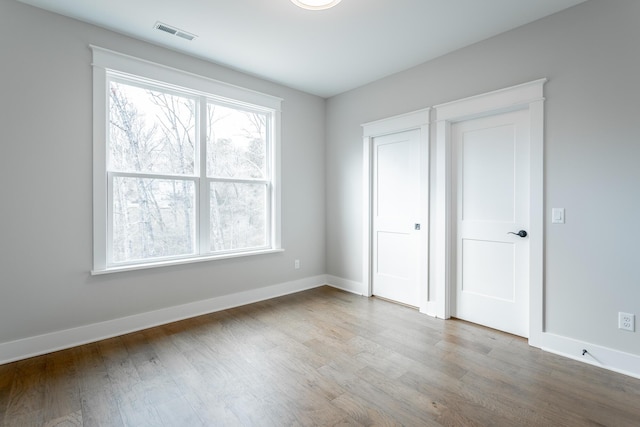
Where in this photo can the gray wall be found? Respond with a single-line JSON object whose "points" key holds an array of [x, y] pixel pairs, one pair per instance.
{"points": [[591, 56], [589, 53], [46, 188]]}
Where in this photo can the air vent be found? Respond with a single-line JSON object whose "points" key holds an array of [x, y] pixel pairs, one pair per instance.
{"points": [[174, 31], [186, 36]]}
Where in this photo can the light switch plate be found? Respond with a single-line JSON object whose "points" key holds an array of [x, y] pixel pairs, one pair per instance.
{"points": [[557, 215]]}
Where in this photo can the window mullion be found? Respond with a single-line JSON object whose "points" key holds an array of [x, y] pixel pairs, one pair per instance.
{"points": [[203, 195], [148, 175], [239, 180]]}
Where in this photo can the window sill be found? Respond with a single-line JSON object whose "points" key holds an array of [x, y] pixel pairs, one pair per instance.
{"points": [[145, 266]]}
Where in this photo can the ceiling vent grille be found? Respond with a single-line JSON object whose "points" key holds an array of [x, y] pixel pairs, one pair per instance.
{"points": [[186, 36], [174, 31]]}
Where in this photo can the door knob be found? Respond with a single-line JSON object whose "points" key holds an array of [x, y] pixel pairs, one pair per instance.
{"points": [[520, 233]]}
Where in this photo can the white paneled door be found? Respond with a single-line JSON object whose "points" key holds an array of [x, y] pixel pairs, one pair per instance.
{"points": [[397, 223], [491, 170]]}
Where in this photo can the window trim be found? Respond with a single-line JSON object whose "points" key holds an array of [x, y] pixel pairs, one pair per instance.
{"points": [[107, 62]]}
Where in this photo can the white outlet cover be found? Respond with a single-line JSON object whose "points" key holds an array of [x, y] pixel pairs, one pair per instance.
{"points": [[627, 321]]}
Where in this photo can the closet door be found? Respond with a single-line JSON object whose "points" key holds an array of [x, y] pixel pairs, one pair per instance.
{"points": [[397, 228]]}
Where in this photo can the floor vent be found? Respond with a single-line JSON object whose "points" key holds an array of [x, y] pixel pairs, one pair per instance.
{"points": [[174, 31]]}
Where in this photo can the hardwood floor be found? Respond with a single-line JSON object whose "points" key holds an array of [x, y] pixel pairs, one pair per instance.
{"points": [[320, 357]]}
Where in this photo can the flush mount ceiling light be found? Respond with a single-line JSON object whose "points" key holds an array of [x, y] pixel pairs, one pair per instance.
{"points": [[316, 4]]}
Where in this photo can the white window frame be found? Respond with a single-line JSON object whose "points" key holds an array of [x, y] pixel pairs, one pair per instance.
{"points": [[108, 64]]}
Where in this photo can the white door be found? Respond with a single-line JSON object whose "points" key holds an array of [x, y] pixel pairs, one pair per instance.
{"points": [[491, 167], [396, 217]]}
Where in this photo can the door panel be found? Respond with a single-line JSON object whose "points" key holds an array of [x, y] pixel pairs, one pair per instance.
{"points": [[488, 196], [396, 210], [491, 157], [487, 269], [394, 255]]}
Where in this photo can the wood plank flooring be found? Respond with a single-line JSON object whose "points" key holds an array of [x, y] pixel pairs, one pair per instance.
{"points": [[320, 357]]}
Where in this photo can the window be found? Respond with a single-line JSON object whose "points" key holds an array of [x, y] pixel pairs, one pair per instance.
{"points": [[185, 168]]}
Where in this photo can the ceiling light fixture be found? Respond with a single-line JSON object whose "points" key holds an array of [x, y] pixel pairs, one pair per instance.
{"points": [[316, 4]]}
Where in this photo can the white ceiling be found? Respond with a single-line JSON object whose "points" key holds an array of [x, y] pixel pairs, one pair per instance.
{"points": [[321, 52]]}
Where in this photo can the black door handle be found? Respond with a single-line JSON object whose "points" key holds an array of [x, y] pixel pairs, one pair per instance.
{"points": [[520, 233]]}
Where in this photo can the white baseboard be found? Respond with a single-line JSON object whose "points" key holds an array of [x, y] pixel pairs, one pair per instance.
{"points": [[431, 309], [613, 360], [604, 357], [345, 285], [60, 340]]}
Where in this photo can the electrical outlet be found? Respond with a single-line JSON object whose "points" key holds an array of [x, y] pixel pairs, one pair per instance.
{"points": [[296, 264], [627, 321]]}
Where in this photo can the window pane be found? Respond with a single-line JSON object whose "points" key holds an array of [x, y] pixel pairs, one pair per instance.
{"points": [[238, 216], [152, 218], [236, 143], [150, 131]]}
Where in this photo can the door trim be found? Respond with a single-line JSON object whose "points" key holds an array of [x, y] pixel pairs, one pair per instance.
{"points": [[410, 121], [527, 96]]}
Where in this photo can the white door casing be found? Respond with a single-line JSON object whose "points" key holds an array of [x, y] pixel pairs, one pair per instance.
{"points": [[382, 141], [527, 97], [490, 188]]}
